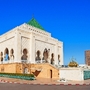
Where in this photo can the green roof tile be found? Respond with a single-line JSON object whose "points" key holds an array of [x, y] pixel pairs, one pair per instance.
{"points": [[34, 23]]}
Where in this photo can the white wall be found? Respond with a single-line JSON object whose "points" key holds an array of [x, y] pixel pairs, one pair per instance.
{"points": [[71, 74]]}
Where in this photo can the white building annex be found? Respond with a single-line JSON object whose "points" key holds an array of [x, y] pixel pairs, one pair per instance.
{"points": [[30, 43]]}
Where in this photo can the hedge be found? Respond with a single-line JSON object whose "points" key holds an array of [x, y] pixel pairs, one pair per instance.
{"points": [[18, 75]]}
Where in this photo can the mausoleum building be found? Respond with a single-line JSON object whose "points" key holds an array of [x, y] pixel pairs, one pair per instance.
{"points": [[29, 44]]}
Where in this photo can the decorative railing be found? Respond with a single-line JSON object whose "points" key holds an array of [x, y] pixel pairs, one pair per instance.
{"points": [[44, 61], [8, 61], [24, 61], [12, 61]]}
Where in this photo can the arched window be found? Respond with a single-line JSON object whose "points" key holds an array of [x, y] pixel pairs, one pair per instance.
{"points": [[1, 53], [25, 70], [52, 58], [25, 51], [59, 59], [6, 54], [11, 54], [1, 56], [45, 55], [6, 51], [24, 56], [38, 56]]}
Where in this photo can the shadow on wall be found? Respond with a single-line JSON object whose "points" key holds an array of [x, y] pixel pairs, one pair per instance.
{"points": [[36, 73]]}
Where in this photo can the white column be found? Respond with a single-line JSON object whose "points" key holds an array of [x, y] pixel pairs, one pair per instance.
{"points": [[61, 55], [41, 59], [41, 55], [32, 48], [17, 49], [50, 57], [82, 75], [56, 55]]}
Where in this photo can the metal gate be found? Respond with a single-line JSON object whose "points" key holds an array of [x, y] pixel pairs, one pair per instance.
{"points": [[86, 74]]}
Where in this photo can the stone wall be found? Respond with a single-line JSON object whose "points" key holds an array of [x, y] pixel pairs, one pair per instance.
{"points": [[39, 70], [8, 68]]}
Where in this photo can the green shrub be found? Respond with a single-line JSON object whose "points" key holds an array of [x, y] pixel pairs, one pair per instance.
{"points": [[18, 75]]}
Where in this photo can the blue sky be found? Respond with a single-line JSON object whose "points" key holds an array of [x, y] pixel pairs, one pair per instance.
{"points": [[67, 20]]}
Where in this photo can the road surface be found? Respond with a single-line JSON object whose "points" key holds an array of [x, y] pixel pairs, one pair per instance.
{"points": [[12, 86]]}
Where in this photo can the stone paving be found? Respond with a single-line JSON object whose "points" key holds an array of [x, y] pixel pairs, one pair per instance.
{"points": [[42, 81]]}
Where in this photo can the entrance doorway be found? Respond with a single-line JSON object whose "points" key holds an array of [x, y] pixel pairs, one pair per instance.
{"points": [[25, 71], [50, 73]]}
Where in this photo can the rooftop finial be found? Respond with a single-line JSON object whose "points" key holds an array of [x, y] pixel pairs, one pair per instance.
{"points": [[32, 15]]}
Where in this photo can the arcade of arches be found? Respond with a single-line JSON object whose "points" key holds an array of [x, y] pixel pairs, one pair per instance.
{"points": [[46, 57], [6, 55]]}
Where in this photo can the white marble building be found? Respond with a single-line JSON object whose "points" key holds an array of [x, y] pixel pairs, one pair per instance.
{"points": [[31, 43]]}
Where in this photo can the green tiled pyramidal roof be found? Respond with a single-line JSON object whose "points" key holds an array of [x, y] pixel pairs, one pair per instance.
{"points": [[34, 23]]}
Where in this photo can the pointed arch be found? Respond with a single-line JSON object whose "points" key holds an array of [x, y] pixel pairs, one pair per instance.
{"points": [[6, 51], [1, 56], [25, 70], [24, 56], [1, 53], [58, 59], [11, 51], [45, 55], [25, 51], [11, 54], [38, 56], [52, 58], [6, 54]]}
